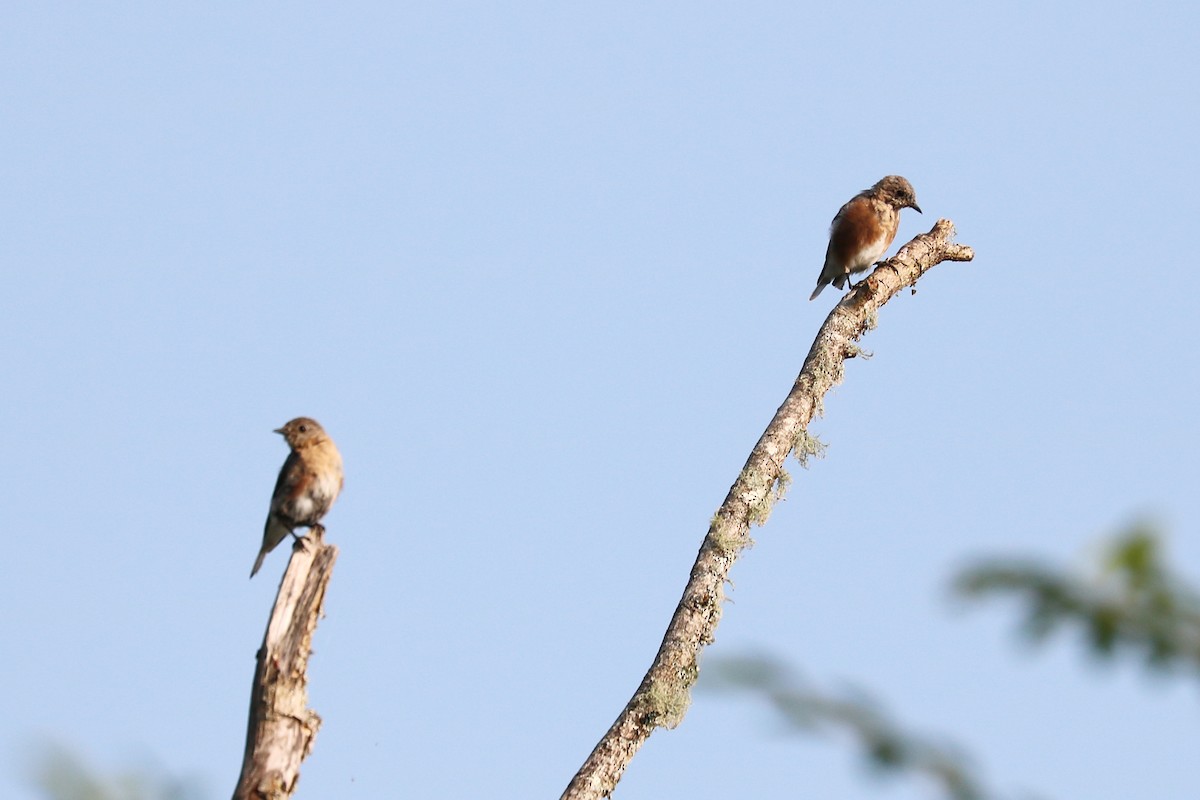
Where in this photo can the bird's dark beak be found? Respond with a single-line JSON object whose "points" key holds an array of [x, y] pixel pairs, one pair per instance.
{"points": [[915, 207], [278, 430]]}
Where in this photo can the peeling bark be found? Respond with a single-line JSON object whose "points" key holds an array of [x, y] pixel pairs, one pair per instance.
{"points": [[281, 727]]}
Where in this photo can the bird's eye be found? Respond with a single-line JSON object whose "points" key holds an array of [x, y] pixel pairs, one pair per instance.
{"points": [[304, 429]]}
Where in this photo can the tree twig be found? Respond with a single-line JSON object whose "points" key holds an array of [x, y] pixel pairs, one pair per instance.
{"points": [[281, 727], [663, 696]]}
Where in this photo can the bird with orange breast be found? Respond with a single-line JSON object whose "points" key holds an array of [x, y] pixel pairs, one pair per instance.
{"points": [[309, 482], [863, 230]]}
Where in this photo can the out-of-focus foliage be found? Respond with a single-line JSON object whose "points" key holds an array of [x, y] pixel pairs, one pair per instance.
{"points": [[61, 775], [1130, 602], [886, 746]]}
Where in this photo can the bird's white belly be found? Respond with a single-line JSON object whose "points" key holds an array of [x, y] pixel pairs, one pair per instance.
{"points": [[869, 254]]}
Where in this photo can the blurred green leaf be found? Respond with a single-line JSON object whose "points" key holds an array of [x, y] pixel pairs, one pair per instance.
{"points": [[1132, 602], [886, 746], [60, 774]]}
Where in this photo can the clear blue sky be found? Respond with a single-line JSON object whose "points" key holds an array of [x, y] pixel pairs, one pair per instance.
{"points": [[542, 271]]}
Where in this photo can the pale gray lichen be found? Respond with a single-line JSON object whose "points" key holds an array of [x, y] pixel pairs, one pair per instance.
{"points": [[806, 446], [763, 494], [667, 705]]}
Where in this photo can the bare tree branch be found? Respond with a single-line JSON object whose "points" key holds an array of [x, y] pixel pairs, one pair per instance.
{"points": [[663, 696], [281, 727]]}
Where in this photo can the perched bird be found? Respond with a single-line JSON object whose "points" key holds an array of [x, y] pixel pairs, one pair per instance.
{"points": [[308, 484], [864, 229]]}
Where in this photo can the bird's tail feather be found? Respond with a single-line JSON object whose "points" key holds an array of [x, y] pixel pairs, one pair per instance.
{"points": [[274, 533]]}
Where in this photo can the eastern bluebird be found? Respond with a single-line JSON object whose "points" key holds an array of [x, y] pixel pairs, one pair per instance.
{"points": [[308, 483], [864, 229]]}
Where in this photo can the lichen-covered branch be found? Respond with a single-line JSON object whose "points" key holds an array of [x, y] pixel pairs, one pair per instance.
{"points": [[281, 727], [663, 696]]}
